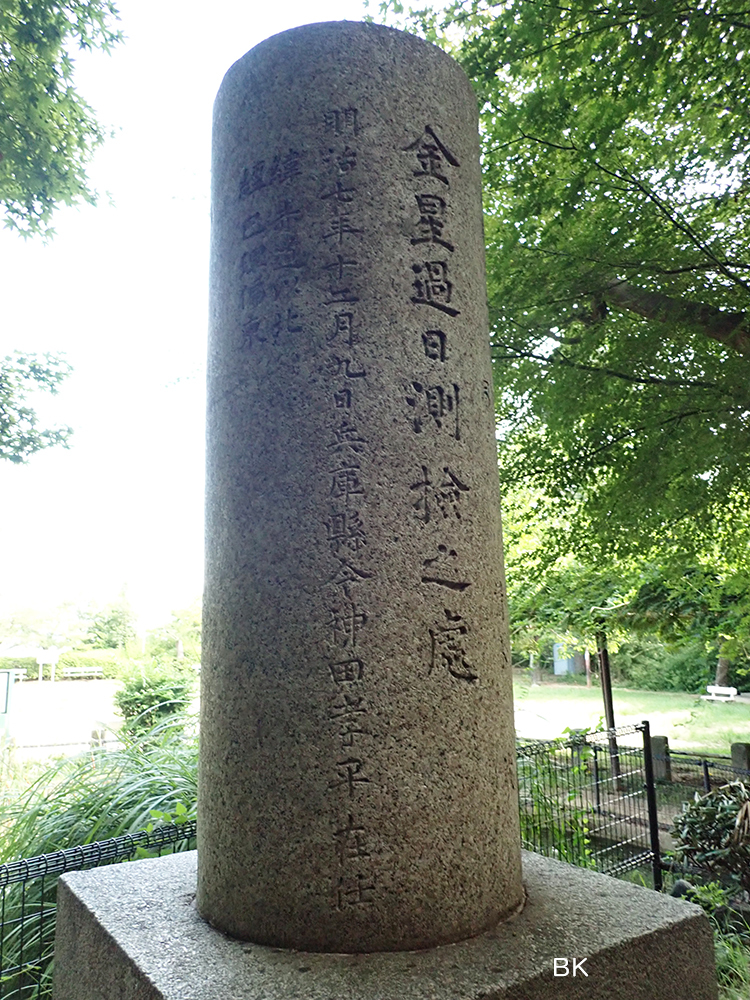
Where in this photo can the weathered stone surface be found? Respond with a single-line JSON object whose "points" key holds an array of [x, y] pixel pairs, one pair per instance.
{"points": [[357, 777], [661, 759], [131, 932], [741, 757]]}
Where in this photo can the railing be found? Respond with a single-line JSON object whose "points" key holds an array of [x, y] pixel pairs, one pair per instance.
{"points": [[702, 772], [28, 891], [590, 800]]}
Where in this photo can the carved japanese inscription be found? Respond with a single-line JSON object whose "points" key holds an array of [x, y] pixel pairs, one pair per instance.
{"points": [[354, 761]]}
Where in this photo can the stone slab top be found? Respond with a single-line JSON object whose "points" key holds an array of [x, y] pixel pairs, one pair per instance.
{"points": [[638, 944]]}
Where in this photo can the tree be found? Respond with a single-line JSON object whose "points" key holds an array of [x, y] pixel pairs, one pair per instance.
{"points": [[111, 628], [47, 131], [47, 136], [616, 157], [698, 603], [21, 375]]}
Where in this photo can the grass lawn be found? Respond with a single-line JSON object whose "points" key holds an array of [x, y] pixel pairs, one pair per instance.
{"points": [[543, 712]]}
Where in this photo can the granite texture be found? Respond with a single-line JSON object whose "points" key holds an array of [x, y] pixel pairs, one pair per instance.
{"points": [[741, 757], [357, 775], [131, 932]]}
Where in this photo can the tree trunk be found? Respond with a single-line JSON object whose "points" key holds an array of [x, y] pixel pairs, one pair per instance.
{"points": [[536, 670], [722, 672], [609, 709]]}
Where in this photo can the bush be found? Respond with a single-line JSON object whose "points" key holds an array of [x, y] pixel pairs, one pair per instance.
{"points": [[651, 666], [27, 663], [151, 694], [110, 660], [713, 832]]}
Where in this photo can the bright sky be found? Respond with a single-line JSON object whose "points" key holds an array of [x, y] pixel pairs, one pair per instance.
{"points": [[122, 291]]}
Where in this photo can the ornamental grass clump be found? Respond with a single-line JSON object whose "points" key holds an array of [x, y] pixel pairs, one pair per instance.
{"points": [[713, 833], [149, 779]]}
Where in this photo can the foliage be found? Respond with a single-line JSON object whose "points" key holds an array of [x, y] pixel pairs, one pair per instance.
{"points": [[698, 604], [152, 693], [731, 938], [105, 792], [651, 666], [713, 832], [22, 374], [47, 131], [569, 602], [111, 627], [552, 821], [46, 627], [180, 635], [699, 608], [27, 663], [112, 664], [101, 794], [616, 158]]}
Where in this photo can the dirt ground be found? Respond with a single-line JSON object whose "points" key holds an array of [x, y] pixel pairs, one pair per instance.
{"points": [[54, 717]]}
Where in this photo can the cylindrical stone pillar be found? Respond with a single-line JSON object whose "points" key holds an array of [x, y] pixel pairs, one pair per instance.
{"points": [[357, 772]]}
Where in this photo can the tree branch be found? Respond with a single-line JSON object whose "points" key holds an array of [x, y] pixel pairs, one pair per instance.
{"points": [[732, 329]]}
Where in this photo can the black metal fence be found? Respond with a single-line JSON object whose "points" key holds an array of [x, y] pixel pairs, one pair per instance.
{"points": [[700, 772], [28, 891], [590, 800]]}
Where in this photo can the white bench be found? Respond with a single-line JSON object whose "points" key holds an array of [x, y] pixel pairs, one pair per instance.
{"points": [[716, 693], [83, 671]]}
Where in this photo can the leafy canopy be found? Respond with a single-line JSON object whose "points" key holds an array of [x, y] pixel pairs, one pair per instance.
{"points": [[616, 157], [47, 131], [20, 376]]}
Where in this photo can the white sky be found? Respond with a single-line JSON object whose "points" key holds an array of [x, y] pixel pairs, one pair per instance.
{"points": [[122, 291]]}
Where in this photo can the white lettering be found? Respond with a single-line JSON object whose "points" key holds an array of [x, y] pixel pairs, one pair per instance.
{"points": [[561, 963]]}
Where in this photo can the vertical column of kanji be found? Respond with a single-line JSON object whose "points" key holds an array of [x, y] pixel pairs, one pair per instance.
{"points": [[344, 274], [436, 406]]}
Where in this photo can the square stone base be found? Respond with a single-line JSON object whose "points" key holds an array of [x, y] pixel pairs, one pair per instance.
{"points": [[131, 932]]}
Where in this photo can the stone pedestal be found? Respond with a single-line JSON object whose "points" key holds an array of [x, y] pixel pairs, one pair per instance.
{"points": [[357, 776], [131, 932]]}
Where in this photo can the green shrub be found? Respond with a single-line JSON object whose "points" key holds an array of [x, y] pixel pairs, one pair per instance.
{"points": [[651, 666], [151, 694], [713, 832], [27, 663], [111, 661], [731, 938]]}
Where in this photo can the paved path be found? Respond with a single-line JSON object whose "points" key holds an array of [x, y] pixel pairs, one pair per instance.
{"points": [[48, 715]]}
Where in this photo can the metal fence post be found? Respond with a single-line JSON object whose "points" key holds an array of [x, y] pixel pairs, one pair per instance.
{"points": [[653, 815]]}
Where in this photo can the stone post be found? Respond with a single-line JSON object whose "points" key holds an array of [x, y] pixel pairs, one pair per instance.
{"points": [[741, 757], [661, 759], [357, 778]]}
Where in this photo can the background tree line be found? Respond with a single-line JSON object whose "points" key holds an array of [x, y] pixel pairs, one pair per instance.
{"points": [[615, 148]]}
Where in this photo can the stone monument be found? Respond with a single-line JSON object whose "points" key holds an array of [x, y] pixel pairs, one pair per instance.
{"points": [[357, 776], [358, 812]]}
